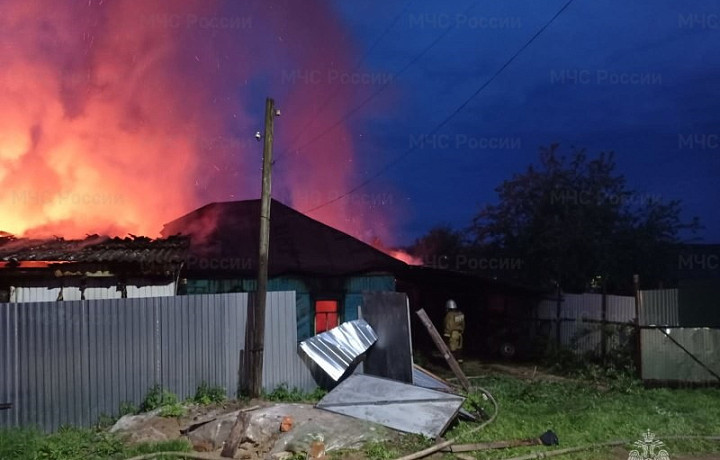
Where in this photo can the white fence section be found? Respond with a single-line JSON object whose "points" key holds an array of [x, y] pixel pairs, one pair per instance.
{"points": [[23, 294], [69, 362]]}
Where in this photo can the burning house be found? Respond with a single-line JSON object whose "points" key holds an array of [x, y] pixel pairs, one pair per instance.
{"points": [[210, 250], [213, 250], [328, 269]]}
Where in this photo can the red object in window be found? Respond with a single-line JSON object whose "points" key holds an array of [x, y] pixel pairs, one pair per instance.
{"points": [[326, 315]]}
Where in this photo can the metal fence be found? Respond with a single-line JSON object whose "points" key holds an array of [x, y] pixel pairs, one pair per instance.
{"points": [[659, 307], [681, 355], [576, 321], [673, 354], [668, 353], [69, 362]]}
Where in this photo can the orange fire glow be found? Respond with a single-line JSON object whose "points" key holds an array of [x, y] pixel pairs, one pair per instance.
{"points": [[119, 116]]}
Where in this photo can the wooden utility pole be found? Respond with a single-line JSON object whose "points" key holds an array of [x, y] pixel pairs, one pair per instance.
{"points": [[257, 325]]}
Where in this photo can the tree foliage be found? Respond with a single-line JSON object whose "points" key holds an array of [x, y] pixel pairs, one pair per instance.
{"points": [[577, 224], [440, 247]]}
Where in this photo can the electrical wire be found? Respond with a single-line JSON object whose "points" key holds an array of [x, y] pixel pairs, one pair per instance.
{"points": [[447, 119]]}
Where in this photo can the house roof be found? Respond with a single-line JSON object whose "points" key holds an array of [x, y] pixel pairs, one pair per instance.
{"points": [[224, 238], [148, 254]]}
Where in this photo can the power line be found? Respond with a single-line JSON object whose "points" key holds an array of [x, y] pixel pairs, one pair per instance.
{"points": [[449, 117]]}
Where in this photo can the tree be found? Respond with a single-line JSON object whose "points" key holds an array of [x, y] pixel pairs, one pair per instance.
{"points": [[440, 247], [577, 224]]}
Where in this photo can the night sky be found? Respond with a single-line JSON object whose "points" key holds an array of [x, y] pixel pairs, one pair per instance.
{"points": [[119, 116], [639, 78]]}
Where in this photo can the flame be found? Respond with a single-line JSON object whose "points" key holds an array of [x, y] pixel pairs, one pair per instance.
{"points": [[120, 116], [405, 257]]}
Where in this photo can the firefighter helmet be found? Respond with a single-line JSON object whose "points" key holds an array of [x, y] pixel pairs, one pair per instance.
{"points": [[451, 305]]}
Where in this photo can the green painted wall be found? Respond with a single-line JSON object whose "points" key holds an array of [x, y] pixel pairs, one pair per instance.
{"points": [[348, 291]]}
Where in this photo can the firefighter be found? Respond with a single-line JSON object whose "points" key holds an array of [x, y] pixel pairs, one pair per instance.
{"points": [[453, 328]]}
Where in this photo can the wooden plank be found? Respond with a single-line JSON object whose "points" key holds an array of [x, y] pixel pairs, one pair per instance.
{"points": [[444, 350], [237, 433]]}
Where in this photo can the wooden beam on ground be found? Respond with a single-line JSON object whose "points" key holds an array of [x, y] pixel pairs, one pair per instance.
{"points": [[444, 350], [237, 433]]}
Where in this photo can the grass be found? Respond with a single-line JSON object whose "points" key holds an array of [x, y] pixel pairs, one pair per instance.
{"points": [[283, 394], [580, 413], [590, 408], [75, 444]]}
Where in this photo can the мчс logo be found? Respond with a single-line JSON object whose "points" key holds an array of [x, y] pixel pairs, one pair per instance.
{"points": [[647, 447]]}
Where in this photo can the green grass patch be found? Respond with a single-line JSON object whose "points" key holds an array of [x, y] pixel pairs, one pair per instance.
{"points": [[580, 413], [206, 394], [69, 443], [283, 394], [156, 397]]}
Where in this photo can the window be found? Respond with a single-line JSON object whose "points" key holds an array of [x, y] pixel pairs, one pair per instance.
{"points": [[326, 315]]}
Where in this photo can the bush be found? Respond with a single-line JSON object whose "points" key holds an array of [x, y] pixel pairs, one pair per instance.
{"points": [[282, 394], [157, 397], [205, 394]]}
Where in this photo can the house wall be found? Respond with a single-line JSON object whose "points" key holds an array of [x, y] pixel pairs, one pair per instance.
{"points": [[44, 293], [347, 290]]}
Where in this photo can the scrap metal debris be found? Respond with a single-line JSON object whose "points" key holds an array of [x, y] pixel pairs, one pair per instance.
{"points": [[336, 350], [426, 379], [394, 404]]}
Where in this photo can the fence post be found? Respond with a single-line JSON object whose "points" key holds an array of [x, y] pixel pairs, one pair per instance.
{"points": [[603, 324], [638, 330], [558, 315]]}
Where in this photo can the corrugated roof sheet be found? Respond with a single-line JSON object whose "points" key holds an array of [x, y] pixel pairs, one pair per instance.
{"points": [[423, 378], [394, 404], [337, 349], [93, 249]]}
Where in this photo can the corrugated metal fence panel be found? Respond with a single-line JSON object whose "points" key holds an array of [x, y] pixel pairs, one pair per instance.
{"points": [[580, 337], [69, 362], [582, 306], [282, 363], [8, 361], [665, 361], [659, 308], [575, 333], [620, 309], [192, 340], [119, 360], [580, 315]]}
